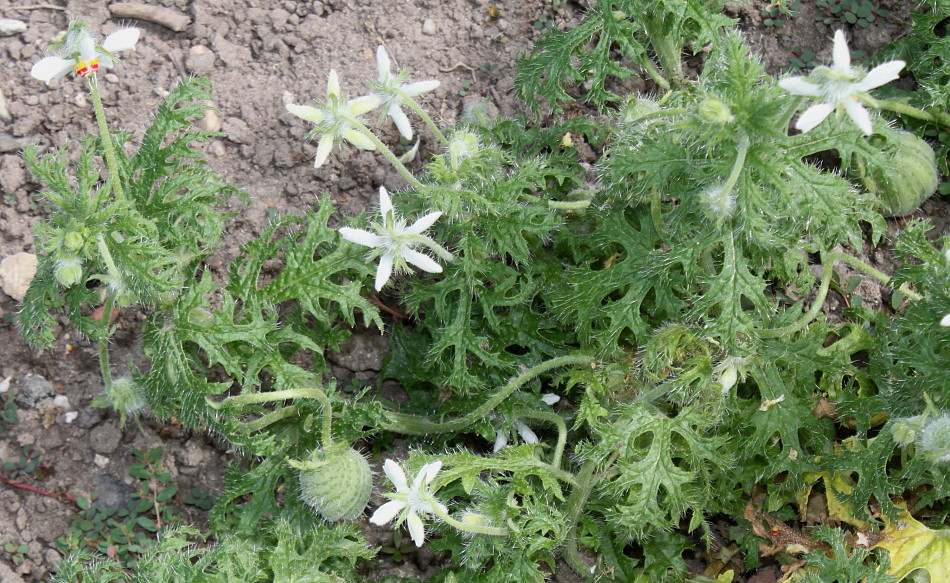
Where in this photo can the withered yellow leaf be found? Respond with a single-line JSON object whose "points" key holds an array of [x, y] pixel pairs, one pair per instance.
{"points": [[912, 546]]}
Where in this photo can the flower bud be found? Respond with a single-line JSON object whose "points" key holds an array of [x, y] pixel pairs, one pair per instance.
{"points": [[73, 241], [68, 271], [719, 203], [462, 145], [201, 317], [906, 430], [125, 397], [337, 483], [638, 107], [908, 177], [934, 440], [716, 112], [728, 378]]}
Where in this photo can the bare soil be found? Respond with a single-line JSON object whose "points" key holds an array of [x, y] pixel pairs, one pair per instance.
{"points": [[259, 55]]}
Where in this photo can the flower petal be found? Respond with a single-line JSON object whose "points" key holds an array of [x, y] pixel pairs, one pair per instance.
{"points": [[799, 86], [361, 105], [813, 116], [417, 529], [422, 224], [550, 398], [500, 440], [841, 56], [945, 321], [52, 68], [359, 140], [384, 271], [360, 237], [382, 64], [333, 84], [385, 203], [526, 433], [420, 87], [880, 75], [859, 115], [427, 473], [87, 48], [105, 61], [121, 40], [395, 474], [387, 512], [401, 120], [323, 150], [421, 260], [305, 112]]}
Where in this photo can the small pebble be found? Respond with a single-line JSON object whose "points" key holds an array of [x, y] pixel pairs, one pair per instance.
{"points": [[428, 26], [112, 78], [70, 416], [4, 112], [211, 122], [80, 100], [100, 460], [10, 27], [61, 401]]}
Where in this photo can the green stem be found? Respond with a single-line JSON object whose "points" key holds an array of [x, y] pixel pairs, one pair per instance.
{"points": [[385, 151], [668, 49], [734, 174], [407, 100], [823, 292], [115, 177], [656, 212], [655, 74], [568, 205], [561, 431], [268, 419], [104, 367], [475, 528], [419, 425], [575, 507], [936, 117], [284, 395], [811, 314], [793, 104]]}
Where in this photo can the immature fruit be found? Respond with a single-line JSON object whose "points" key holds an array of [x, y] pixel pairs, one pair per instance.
{"points": [[935, 440], [909, 176], [339, 485], [68, 271]]}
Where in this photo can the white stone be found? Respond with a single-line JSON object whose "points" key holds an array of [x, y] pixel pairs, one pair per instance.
{"points": [[100, 460], [10, 27]]}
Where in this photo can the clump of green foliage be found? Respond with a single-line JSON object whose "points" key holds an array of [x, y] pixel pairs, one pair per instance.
{"points": [[599, 361]]}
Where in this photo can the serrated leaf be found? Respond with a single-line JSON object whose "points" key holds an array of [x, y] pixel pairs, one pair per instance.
{"points": [[912, 546]]}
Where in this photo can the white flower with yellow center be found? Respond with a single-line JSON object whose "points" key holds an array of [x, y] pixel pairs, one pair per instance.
{"points": [[840, 87], [394, 94], [336, 119], [79, 53], [393, 242], [410, 503]]}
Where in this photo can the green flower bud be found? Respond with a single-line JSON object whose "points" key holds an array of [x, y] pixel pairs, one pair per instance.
{"points": [[638, 107], [906, 430], [68, 271], [462, 145], [123, 396], [908, 177], [715, 111], [337, 483], [73, 241], [201, 317], [934, 441], [718, 203]]}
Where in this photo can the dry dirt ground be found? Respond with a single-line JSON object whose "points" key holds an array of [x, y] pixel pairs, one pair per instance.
{"points": [[259, 54]]}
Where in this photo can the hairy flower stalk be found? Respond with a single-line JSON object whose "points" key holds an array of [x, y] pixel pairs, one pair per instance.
{"points": [[80, 54], [394, 242], [841, 87]]}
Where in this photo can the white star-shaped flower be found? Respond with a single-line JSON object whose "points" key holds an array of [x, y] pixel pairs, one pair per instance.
{"points": [[394, 94], [80, 53], [526, 434], [410, 503], [840, 87], [393, 242], [335, 119]]}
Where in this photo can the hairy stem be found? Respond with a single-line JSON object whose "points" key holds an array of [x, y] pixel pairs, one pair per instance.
{"points": [[937, 117], [407, 100], [561, 431], [385, 151], [284, 395], [419, 425], [115, 177], [466, 527]]}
